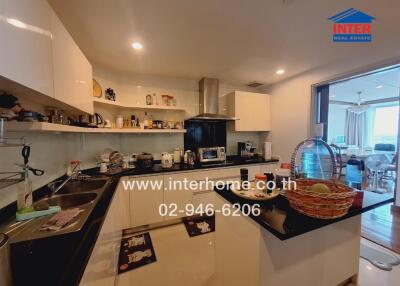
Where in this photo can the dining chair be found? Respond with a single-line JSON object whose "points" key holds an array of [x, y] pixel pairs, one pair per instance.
{"points": [[385, 147]]}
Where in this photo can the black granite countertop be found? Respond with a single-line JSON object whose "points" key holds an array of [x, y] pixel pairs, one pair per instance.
{"points": [[284, 222], [231, 161], [59, 260]]}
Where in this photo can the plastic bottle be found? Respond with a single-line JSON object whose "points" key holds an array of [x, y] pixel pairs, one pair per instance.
{"points": [[24, 196]]}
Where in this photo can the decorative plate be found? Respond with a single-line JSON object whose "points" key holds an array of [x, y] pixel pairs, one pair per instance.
{"points": [[97, 91]]}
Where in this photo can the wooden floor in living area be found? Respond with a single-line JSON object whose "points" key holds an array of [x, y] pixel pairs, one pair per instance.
{"points": [[382, 226]]}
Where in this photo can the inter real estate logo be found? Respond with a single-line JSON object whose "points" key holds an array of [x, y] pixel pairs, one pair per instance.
{"points": [[351, 25]]}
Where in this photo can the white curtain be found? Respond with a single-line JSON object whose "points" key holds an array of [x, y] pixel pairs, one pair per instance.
{"points": [[370, 127], [355, 129]]}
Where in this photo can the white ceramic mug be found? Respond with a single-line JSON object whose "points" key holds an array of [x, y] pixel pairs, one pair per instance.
{"points": [[107, 123]]}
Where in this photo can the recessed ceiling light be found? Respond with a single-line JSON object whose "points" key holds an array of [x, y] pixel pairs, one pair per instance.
{"points": [[16, 23], [280, 71], [379, 86], [137, 45]]}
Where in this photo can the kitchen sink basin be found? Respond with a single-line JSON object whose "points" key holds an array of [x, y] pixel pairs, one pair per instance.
{"points": [[82, 193], [80, 186], [69, 200]]}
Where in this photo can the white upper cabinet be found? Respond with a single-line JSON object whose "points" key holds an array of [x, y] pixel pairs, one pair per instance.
{"points": [[72, 71], [252, 111], [26, 44]]}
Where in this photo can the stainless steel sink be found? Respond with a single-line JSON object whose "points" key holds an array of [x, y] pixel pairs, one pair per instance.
{"points": [[69, 201], [82, 194], [80, 186]]}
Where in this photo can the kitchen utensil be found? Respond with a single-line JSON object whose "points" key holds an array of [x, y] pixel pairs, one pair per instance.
{"points": [[164, 99], [149, 99], [103, 167], [5, 269], [116, 158], [244, 175], [26, 151], [105, 155], [177, 156], [119, 122], [96, 120], [267, 150], [107, 123], [246, 149], [125, 163], [158, 124], [31, 116], [134, 121], [189, 158], [166, 160], [134, 157], [145, 161], [171, 124], [97, 91], [281, 174]]}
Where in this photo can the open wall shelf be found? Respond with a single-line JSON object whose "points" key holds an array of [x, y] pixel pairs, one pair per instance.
{"points": [[103, 101], [51, 127]]}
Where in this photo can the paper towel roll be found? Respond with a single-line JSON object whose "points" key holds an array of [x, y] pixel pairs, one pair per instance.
{"points": [[267, 150]]}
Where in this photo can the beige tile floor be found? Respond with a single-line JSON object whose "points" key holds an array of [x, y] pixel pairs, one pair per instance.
{"points": [[372, 276], [191, 261]]}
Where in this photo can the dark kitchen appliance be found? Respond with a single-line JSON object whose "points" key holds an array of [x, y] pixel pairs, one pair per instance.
{"points": [[145, 161], [246, 149], [95, 120], [204, 133]]}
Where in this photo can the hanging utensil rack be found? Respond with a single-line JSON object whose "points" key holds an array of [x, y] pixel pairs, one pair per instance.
{"points": [[10, 178]]}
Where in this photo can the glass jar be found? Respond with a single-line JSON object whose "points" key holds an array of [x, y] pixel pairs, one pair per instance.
{"points": [[260, 182]]}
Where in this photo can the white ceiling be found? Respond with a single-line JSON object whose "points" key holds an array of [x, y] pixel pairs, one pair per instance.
{"points": [[237, 41], [388, 83]]}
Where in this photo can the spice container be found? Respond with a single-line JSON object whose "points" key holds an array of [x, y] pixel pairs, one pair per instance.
{"points": [[165, 99], [260, 182]]}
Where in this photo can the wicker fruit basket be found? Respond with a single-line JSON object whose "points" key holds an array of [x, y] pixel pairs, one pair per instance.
{"points": [[322, 205]]}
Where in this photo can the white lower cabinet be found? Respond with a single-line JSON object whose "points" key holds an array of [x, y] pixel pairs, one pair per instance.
{"points": [[145, 197], [177, 193], [102, 268], [122, 199]]}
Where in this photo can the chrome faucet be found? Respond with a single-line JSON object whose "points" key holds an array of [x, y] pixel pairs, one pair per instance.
{"points": [[75, 174]]}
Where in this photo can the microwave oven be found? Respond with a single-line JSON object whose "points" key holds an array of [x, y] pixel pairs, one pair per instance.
{"points": [[211, 154]]}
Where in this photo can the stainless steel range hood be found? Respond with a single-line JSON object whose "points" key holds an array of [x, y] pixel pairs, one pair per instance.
{"points": [[208, 101]]}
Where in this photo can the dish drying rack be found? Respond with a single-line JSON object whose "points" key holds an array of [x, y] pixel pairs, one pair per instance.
{"points": [[10, 178]]}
